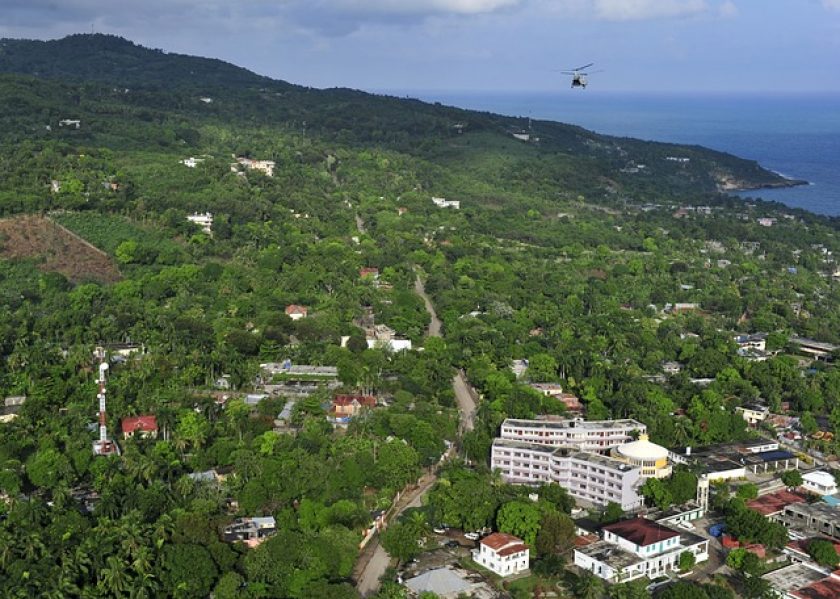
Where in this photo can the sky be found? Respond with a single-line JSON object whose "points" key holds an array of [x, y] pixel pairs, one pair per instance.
{"points": [[477, 45]]}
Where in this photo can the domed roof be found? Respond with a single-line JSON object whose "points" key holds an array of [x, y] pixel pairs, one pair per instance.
{"points": [[642, 450]]}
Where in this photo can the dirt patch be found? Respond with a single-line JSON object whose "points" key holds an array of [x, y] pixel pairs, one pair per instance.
{"points": [[55, 248]]}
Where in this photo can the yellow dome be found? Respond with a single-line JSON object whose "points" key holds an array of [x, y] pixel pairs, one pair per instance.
{"points": [[642, 450]]}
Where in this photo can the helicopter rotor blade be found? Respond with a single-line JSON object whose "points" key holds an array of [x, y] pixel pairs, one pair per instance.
{"points": [[586, 66]]}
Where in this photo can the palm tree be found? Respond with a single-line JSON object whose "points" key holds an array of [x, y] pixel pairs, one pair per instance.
{"points": [[114, 577], [588, 586]]}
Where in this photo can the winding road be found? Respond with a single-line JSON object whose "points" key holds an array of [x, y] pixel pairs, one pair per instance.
{"points": [[374, 559]]}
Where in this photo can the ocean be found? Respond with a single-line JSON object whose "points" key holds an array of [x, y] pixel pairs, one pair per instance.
{"points": [[796, 135]]}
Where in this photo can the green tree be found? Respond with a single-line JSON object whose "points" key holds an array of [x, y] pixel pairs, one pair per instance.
{"points": [[588, 586], [521, 519], [792, 478], [556, 534], [400, 540], [612, 513], [686, 561], [823, 552]]}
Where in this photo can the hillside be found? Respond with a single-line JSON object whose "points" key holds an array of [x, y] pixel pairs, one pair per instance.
{"points": [[173, 82]]}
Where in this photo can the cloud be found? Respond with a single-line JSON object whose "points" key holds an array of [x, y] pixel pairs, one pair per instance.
{"points": [[417, 7], [831, 4], [638, 10], [728, 10]]}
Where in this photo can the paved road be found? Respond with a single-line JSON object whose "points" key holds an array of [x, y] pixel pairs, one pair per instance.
{"points": [[374, 559], [463, 394]]}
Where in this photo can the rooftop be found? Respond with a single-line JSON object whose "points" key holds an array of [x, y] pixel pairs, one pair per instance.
{"points": [[819, 509], [536, 447], [820, 477], [503, 543], [440, 581], [773, 503], [793, 577], [139, 423], [827, 588], [641, 531], [612, 555], [575, 423]]}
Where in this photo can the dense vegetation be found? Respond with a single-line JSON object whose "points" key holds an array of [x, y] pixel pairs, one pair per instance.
{"points": [[559, 254]]}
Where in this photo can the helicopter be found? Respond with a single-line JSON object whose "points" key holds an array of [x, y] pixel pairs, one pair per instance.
{"points": [[579, 75]]}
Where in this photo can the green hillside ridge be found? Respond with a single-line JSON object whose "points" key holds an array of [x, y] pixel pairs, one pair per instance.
{"points": [[173, 81]]}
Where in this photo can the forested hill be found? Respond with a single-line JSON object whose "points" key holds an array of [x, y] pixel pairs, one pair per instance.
{"points": [[167, 82]]}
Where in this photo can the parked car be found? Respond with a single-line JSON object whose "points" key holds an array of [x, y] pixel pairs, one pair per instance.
{"points": [[440, 530], [472, 536], [453, 544]]}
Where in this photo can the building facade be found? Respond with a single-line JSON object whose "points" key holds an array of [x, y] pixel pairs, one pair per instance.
{"points": [[589, 477], [597, 436]]}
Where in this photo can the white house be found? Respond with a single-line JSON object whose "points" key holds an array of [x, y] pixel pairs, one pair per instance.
{"points": [[502, 553], [191, 162], [203, 220], [753, 413], [444, 203], [819, 482], [70, 123], [639, 547]]}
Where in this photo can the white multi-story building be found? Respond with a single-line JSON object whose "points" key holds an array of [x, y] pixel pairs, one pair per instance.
{"points": [[599, 436], [633, 548], [589, 477], [502, 553]]}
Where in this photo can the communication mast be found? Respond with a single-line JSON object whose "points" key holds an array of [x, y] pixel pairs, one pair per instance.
{"points": [[103, 445]]}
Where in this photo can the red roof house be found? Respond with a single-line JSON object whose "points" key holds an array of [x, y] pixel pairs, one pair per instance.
{"points": [[144, 426], [345, 406], [369, 272], [502, 553]]}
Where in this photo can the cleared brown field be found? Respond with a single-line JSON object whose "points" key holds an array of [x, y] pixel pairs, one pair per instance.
{"points": [[55, 248]]}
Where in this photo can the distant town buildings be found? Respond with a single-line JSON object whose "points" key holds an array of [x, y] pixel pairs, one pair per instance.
{"points": [[444, 203], [191, 162], [264, 166], [296, 312], [251, 531], [11, 407], [203, 220]]}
